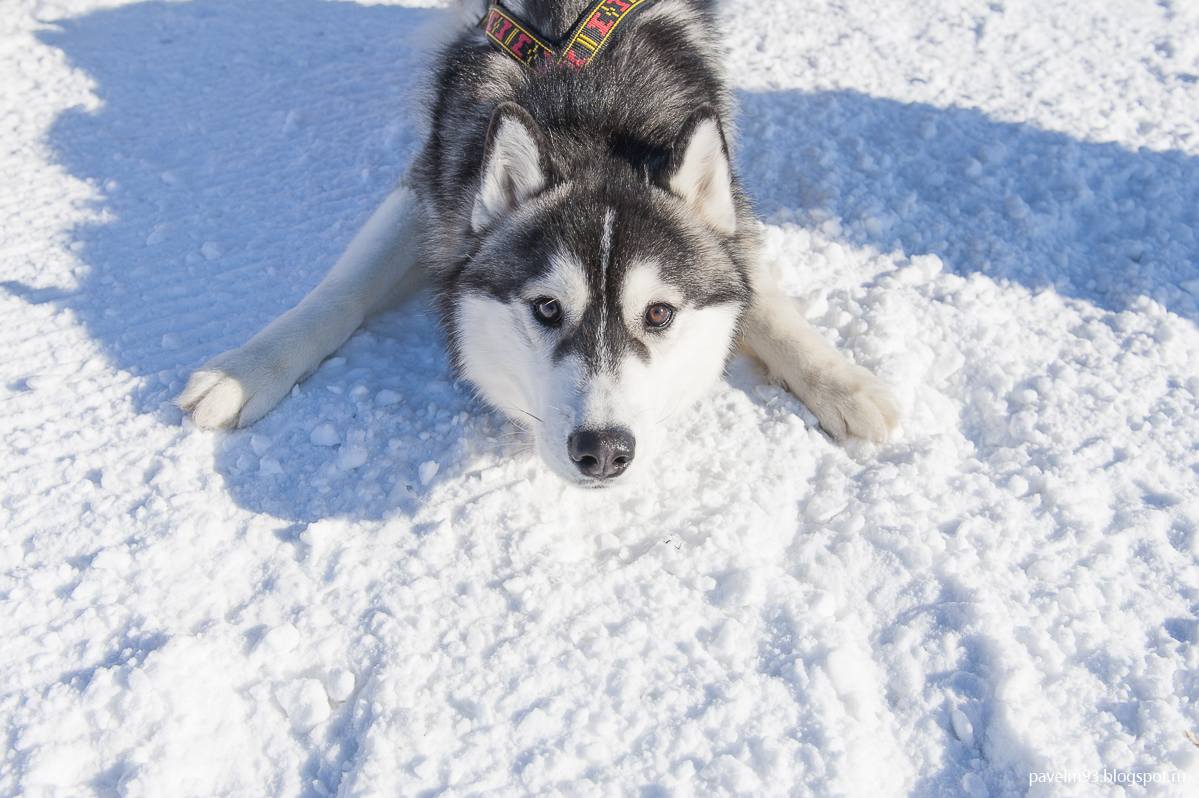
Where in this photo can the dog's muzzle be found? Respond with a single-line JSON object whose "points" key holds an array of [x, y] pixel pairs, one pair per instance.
{"points": [[602, 454]]}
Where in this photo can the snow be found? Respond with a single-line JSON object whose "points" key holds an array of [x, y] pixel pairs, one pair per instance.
{"points": [[427, 471], [378, 589], [305, 702]]}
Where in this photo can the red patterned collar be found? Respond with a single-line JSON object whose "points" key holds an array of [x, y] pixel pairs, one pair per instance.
{"points": [[586, 39]]}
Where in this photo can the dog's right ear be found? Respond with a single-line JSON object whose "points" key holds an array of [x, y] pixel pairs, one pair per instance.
{"points": [[515, 165], [698, 171]]}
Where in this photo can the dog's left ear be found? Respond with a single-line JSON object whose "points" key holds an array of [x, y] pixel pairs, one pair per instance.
{"points": [[515, 165], [698, 170]]}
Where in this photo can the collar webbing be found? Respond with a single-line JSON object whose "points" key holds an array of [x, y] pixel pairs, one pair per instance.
{"points": [[586, 39]]}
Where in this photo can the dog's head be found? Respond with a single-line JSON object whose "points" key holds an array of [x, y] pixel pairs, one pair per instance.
{"points": [[597, 304]]}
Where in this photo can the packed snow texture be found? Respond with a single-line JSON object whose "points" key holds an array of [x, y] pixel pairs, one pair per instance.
{"points": [[379, 590]]}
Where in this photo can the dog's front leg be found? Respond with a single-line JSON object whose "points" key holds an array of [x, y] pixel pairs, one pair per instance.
{"points": [[241, 385], [847, 399]]}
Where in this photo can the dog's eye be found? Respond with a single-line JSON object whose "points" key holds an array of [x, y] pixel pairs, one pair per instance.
{"points": [[547, 311], [659, 316]]}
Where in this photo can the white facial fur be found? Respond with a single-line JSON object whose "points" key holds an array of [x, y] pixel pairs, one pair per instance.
{"points": [[508, 356]]}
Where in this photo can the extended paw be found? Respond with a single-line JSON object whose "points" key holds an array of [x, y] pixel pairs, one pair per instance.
{"points": [[236, 387], [854, 402]]}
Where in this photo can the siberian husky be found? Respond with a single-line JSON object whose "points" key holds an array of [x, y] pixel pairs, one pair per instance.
{"points": [[591, 255]]}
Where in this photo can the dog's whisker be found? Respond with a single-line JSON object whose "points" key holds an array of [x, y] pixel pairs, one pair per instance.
{"points": [[677, 401], [508, 448], [510, 445], [524, 412]]}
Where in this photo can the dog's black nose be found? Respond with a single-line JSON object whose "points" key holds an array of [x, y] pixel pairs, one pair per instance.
{"points": [[604, 453]]}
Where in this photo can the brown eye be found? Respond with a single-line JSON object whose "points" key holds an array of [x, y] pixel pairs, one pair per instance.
{"points": [[547, 311], [659, 316]]}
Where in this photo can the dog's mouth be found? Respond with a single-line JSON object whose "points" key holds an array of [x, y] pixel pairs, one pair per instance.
{"points": [[597, 483]]}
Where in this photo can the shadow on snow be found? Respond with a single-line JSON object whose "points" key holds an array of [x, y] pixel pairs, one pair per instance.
{"points": [[1093, 221]]}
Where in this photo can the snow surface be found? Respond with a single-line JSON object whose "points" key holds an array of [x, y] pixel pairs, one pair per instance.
{"points": [[378, 590]]}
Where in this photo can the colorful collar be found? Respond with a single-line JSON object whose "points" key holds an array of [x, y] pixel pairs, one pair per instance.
{"points": [[584, 42]]}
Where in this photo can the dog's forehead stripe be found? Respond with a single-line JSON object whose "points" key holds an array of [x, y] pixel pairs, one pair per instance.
{"points": [[605, 266], [597, 333]]}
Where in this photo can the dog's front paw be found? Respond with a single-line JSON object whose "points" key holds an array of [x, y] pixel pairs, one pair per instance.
{"points": [[236, 387], [854, 402]]}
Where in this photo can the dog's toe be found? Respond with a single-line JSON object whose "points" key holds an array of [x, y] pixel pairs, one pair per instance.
{"points": [[857, 404], [213, 398], [870, 413]]}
